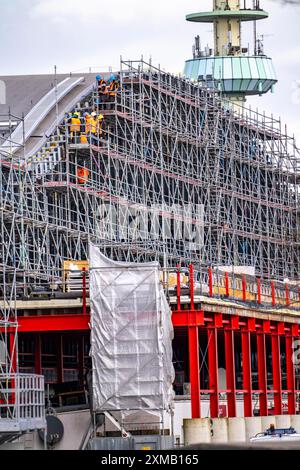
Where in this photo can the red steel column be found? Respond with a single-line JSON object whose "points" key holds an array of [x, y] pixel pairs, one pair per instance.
{"points": [[194, 371], [276, 372], [213, 371], [290, 374], [246, 363], [262, 373], [230, 372]]}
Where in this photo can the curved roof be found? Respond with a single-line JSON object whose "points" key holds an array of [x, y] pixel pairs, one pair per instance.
{"points": [[242, 15], [23, 92]]}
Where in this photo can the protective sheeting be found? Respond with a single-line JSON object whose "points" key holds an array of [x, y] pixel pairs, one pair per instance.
{"points": [[132, 335]]}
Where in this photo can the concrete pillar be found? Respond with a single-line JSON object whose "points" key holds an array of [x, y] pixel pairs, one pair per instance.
{"points": [[253, 427], [196, 431], [236, 430], [295, 422], [219, 430], [283, 421]]}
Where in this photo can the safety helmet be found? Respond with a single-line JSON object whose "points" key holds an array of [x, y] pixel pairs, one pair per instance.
{"points": [[112, 77], [94, 114], [77, 114], [100, 117], [86, 114], [98, 78]]}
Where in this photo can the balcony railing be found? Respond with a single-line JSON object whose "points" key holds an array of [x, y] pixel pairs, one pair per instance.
{"points": [[22, 403]]}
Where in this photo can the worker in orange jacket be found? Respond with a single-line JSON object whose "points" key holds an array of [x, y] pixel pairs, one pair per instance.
{"points": [[112, 89], [102, 85]]}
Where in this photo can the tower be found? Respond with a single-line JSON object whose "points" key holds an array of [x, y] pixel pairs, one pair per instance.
{"points": [[230, 66]]}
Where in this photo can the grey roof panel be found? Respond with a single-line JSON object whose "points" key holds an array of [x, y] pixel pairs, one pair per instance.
{"points": [[25, 91]]}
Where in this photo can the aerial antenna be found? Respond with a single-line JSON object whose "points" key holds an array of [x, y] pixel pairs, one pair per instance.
{"points": [[255, 7]]}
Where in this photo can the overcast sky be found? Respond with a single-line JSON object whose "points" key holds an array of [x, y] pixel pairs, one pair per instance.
{"points": [[78, 34]]}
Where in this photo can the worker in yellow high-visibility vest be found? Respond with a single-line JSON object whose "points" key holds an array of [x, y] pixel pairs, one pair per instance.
{"points": [[100, 126], [75, 128], [90, 126]]}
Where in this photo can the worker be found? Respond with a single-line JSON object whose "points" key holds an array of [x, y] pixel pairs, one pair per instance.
{"points": [[90, 127], [75, 128], [100, 126], [112, 89], [101, 88]]}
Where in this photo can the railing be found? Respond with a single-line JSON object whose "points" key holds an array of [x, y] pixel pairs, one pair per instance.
{"points": [[186, 284], [239, 287], [22, 403]]}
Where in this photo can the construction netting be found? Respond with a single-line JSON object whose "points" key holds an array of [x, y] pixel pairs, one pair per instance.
{"points": [[132, 335]]}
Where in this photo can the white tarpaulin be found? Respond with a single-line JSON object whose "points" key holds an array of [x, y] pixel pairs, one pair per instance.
{"points": [[132, 335]]}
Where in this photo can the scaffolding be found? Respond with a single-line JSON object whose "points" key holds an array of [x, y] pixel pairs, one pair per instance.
{"points": [[174, 176], [22, 396]]}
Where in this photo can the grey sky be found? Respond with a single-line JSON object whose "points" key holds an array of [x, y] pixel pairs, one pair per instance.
{"points": [[78, 34]]}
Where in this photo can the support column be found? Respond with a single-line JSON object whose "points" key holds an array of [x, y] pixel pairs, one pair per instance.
{"points": [[246, 364], [38, 355], [276, 366], [213, 371], [194, 371], [262, 373], [230, 372], [290, 374]]}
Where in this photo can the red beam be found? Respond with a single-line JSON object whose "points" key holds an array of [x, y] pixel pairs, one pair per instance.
{"points": [[213, 371], [262, 374], [47, 323], [54, 323], [230, 372], [187, 318], [194, 366]]}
